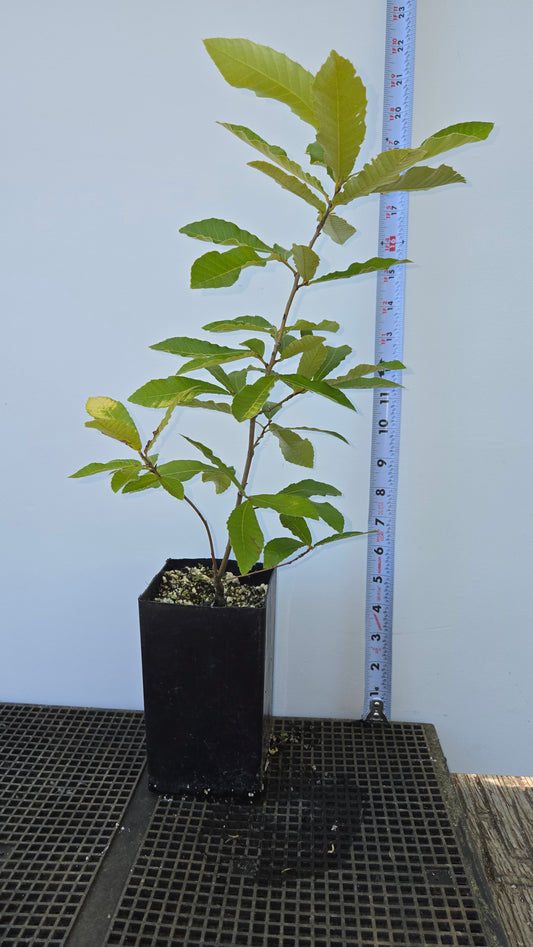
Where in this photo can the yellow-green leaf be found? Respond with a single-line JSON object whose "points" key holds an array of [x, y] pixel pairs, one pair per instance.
{"points": [[338, 229], [305, 260], [376, 174], [276, 154], [454, 136], [112, 419], [424, 178], [248, 65], [339, 98], [290, 183]]}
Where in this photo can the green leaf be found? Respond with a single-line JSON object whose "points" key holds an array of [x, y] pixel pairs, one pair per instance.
{"points": [[208, 405], [182, 469], [298, 526], [276, 154], [295, 449], [334, 356], [326, 325], [112, 419], [237, 379], [311, 361], [282, 502], [337, 536], [204, 354], [321, 430], [223, 378], [354, 378], [245, 536], [376, 174], [339, 98], [214, 230], [122, 477], [207, 452], [290, 183], [161, 392], [257, 346], [271, 408], [317, 156], [355, 269], [173, 486], [297, 346], [305, 260], [331, 515], [364, 383], [456, 135], [338, 229], [214, 270], [219, 478], [279, 549], [424, 178], [250, 399], [240, 324], [90, 469], [195, 348], [280, 253], [301, 383], [312, 488], [269, 74], [146, 482]]}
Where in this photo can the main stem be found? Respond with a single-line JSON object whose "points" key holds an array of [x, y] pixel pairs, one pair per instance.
{"points": [[252, 444]]}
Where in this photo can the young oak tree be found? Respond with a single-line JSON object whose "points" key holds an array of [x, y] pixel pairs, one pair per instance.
{"points": [[283, 360]]}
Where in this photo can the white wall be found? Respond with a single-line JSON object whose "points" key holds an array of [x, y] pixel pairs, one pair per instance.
{"points": [[109, 114]]}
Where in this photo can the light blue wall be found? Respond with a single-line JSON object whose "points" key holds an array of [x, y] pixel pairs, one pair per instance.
{"points": [[109, 114]]}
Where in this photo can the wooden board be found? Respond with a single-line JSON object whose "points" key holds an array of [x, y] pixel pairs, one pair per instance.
{"points": [[499, 810]]}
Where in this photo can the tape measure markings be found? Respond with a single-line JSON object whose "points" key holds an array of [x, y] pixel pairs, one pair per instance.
{"points": [[390, 305]]}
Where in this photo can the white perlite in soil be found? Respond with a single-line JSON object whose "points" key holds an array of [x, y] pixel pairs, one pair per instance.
{"points": [[194, 586]]}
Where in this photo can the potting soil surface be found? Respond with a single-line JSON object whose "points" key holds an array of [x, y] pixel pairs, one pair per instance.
{"points": [[358, 840]]}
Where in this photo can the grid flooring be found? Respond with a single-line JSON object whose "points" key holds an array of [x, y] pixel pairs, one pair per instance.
{"points": [[357, 841], [352, 845], [67, 775]]}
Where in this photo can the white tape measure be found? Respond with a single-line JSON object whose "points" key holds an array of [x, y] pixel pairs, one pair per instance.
{"points": [[390, 302]]}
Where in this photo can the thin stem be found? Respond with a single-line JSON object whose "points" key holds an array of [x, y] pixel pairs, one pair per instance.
{"points": [[252, 443], [240, 495], [219, 591], [281, 564]]}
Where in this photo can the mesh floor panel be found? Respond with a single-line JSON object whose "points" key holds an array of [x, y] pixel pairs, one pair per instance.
{"points": [[66, 777], [357, 841]]}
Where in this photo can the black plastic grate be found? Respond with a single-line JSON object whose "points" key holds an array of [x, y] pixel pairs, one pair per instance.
{"points": [[357, 842], [66, 777]]}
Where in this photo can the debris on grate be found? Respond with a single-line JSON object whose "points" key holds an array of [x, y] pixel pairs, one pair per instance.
{"points": [[352, 844]]}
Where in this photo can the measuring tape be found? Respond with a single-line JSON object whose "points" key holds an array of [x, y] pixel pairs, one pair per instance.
{"points": [[390, 305]]}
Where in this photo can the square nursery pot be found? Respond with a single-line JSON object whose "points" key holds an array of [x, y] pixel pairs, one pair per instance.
{"points": [[207, 679]]}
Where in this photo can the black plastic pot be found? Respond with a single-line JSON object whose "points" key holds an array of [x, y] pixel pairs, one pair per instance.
{"points": [[207, 679]]}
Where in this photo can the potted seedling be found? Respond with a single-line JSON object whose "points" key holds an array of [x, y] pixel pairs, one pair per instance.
{"points": [[207, 627]]}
